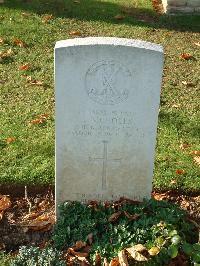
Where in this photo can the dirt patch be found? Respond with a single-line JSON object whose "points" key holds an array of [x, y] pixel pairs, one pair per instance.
{"points": [[15, 191]]}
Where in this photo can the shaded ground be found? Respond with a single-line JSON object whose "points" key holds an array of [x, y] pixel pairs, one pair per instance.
{"points": [[30, 218], [139, 12]]}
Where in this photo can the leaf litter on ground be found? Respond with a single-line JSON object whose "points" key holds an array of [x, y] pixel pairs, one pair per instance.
{"points": [[20, 43]]}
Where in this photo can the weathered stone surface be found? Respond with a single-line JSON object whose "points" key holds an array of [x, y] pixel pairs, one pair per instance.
{"points": [[181, 9], [193, 3], [107, 100], [181, 6], [176, 2]]}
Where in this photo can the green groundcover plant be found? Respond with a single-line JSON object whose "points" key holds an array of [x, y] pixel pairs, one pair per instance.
{"points": [[161, 228], [151, 223], [34, 256]]}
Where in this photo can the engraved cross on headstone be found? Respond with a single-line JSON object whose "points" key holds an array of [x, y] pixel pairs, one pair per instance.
{"points": [[105, 161]]}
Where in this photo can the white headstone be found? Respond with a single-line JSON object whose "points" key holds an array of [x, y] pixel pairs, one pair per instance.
{"points": [[107, 102]]}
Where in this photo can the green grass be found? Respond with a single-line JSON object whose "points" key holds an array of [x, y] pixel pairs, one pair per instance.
{"points": [[5, 259], [30, 158]]}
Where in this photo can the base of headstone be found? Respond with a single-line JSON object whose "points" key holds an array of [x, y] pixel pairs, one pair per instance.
{"points": [[181, 6]]}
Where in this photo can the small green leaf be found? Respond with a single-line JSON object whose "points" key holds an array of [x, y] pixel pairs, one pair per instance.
{"points": [[188, 249], [173, 233], [196, 257], [173, 251], [154, 251], [160, 241], [176, 239]]}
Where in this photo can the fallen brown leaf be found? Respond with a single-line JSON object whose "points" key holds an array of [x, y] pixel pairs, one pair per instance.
{"points": [[69, 259], [184, 146], [114, 262], [79, 245], [37, 121], [115, 216], [135, 254], [41, 119], [9, 52], [36, 82], [176, 105], [180, 171], [44, 204], [10, 140], [5, 203], [6, 54], [43, 116], [25, 67], [157, 5], [32, 81], [43, 222], [132, 217], [173, 182], [47, 18], [28, 78], [105, 262], [20, 43], [122, 259], [124, 200], [186, 56], [188, 84], [79, 254], [119, 17], [30, 216], [158, 196], [75, 33], [195, 152], [1, 41], [97, 259], [140, 248], [83, 261], [197, 160]]}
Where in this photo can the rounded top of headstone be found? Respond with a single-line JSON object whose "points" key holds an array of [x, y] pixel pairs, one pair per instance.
{"points": [[109, 41]]}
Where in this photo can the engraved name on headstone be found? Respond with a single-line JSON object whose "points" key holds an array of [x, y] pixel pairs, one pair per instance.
{"points": [[107, 102]]}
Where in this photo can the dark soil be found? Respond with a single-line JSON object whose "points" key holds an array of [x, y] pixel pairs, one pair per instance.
{"points": [[40, 200]]}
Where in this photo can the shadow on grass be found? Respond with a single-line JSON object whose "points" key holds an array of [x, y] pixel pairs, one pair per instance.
{"points": [[95, 10]]}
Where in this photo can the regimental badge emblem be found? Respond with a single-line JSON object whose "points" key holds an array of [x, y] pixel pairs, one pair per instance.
{"points": [[108, 82]]}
